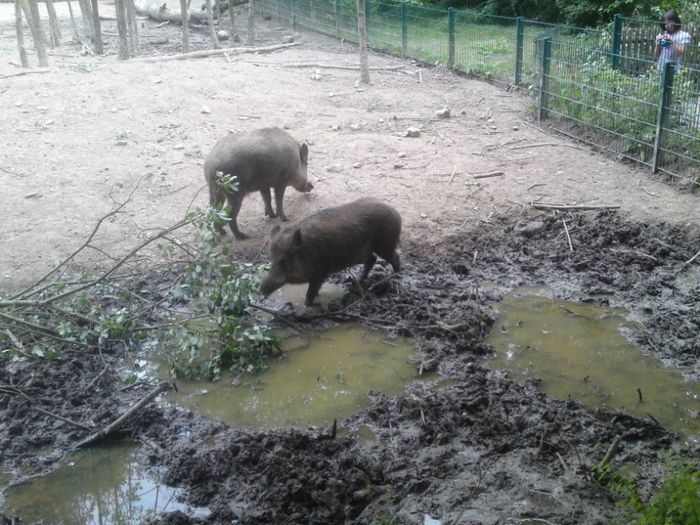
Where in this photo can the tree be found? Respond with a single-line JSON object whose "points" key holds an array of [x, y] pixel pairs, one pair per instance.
{"points": [[20, 34], [362, 37], [123, 45], [251, 22], [31, 13]]}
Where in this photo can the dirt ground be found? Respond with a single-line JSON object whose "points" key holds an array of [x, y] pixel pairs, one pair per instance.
{"points": [[481, 450]]}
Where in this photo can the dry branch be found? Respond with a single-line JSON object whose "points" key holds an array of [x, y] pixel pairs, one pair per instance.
{"points": [[329, 66], [217, 52], [488, 175], [114, 425], [572, 207], [31, 71], [568, 237]]}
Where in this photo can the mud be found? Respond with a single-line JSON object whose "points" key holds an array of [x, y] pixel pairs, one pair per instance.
{"points": [[470, 446]]}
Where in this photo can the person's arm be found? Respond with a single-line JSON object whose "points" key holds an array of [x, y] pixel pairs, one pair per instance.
{"points": [[679, 47]]}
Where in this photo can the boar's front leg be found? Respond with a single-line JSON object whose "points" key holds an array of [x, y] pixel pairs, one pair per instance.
{"points": [[279, 196], [267, 199], [312, 291], [369, 264]]}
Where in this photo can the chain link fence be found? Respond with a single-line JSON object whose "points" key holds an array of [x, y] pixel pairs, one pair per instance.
{"points": [[601, 86]]}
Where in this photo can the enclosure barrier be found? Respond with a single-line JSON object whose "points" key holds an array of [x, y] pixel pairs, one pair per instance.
{"points": [[599, 86]]}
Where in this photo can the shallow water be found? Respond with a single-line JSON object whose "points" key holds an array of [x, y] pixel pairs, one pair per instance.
{"points": [[322, 377], [100, 485], [580, 351]]}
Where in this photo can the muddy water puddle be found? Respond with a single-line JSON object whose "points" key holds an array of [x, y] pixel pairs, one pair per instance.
{"points": [[102, 485], [580, 351], [323, 376]]}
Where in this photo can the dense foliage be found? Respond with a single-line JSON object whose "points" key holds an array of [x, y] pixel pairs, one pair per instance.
{"points": [[575, 12]]}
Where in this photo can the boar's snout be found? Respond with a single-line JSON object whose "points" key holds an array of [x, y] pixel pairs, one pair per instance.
{"points": [[270, 283], [307, 187]]}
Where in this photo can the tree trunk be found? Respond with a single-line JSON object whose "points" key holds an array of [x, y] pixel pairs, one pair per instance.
{"points": [[32, 15], [362, 37], [86, 15], [185, 26], [133, 28], [72, 21], [234, 31], [212, 29], [122, 38], [251, 22], [54, 29], [20, 34], [97, 39]]}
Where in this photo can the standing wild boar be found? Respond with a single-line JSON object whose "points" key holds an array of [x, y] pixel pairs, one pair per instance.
{"points": [[260, 160], [330, 240]]}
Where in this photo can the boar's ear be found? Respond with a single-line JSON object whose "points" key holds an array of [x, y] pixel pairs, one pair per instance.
{"points": [[304, 153], [275, 230], [296, 239]]}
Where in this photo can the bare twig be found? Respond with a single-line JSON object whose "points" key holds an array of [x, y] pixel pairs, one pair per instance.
{"points": [[17, 344], [106, 431], [491, 174], [609, 454], [568, 237], [90, 237], [692, 259]]}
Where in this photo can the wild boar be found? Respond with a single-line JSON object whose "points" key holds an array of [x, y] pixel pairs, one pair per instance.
{"points": [[331, 240], [261, 159]]}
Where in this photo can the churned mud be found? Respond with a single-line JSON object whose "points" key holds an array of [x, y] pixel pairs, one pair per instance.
{"points": [[469, 446]]}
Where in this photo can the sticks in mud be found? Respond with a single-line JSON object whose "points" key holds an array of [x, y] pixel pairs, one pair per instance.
{"points": [[114, 425]]}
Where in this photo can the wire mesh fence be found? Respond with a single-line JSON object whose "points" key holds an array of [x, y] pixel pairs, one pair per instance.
{"points": [[601, 86]]}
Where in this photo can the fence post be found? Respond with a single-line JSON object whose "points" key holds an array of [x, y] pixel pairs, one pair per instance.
{"points": [[662, 113], [404, 29], [294, 15], [616, 40], [451, 37], [545, 55], [337, 19], [519, 44]]}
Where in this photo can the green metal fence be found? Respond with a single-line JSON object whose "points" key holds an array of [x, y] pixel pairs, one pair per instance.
{"points": [[599, 86]]}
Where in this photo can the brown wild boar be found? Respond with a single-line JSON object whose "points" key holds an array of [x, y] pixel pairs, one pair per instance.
{"points": [[261, 159], [331, 240]]}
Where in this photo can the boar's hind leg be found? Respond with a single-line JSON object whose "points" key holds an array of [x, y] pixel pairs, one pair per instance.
{"points": [[267, 199], [369, 264], [235, 200], [279, 197], [312, 290]]}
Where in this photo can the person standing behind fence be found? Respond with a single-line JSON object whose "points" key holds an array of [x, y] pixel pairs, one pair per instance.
{"points": [[671, 41]]}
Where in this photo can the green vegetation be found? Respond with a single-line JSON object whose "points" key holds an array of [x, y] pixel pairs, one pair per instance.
{"points": [[221, 336], [675, 502]]}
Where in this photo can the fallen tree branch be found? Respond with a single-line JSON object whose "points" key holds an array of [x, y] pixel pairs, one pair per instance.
{"points": [[114, 425], [216, 52], [572, 207], [545, 144], [28, 72], [327, 66]]}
